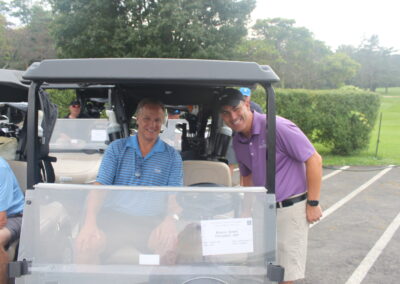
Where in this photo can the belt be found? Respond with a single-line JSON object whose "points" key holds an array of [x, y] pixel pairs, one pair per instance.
{"points": [[290, 201]]}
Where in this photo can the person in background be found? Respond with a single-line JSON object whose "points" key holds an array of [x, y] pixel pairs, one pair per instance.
{"points": [[11, 207], [75, 110], [230, 154], [173, 113], [298, 176]]}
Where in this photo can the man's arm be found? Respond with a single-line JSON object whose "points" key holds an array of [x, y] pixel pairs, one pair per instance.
{"points": [[248, 198], [314, 180], [94, 201], [3, 219]]}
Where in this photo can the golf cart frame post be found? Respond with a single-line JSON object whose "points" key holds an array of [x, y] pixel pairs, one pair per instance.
{"points": [[165, 72]]}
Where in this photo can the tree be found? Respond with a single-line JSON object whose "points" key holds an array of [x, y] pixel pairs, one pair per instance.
{"points": [[4, 44], [299, 54], [337, 69], [377, 69], [150, 28], [31, 42]]}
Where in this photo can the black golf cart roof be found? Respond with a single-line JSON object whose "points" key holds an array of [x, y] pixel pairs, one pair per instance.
{"points": [[146, 70], [11, 87]]}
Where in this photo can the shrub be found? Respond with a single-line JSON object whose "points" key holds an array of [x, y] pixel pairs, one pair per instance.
{"points": [[341, 119]]}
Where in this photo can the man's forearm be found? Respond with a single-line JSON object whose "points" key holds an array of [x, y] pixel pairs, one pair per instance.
{"points": [[314, 176], [94, 201]]}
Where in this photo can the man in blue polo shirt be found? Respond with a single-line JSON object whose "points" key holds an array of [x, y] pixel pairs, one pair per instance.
{"points": [[140, 160], [11, 206]]}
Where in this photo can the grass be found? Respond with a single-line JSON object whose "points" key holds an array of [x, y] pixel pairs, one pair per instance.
{"points": [[389, 144]]}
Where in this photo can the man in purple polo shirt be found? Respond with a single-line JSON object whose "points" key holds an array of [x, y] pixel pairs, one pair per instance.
{"points": [[298, 176]]}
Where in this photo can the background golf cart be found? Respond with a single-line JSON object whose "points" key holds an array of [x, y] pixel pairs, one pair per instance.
{"points": [[13, 135], [248, 244]]}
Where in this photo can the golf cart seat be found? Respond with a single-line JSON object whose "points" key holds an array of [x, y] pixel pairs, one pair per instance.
{"points": [[19, 169], [8, 147], [195, 172]]}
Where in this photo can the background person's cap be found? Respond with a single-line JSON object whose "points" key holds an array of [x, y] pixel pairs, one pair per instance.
{"points": [[173, 111], [230, 97], [245, 91], [74, 103]]}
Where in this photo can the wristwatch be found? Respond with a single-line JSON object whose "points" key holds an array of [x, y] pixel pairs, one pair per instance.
{"points": [[313, 202]]}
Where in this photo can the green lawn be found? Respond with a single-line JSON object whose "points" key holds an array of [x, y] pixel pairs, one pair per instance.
{"points": [[389, 145]]}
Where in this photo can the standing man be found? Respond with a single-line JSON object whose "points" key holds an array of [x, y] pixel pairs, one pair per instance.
{"points": [[144, 219], [11, 206], [230, 154], [298, 176]]}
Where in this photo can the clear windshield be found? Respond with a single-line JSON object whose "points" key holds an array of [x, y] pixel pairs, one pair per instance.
{"points": [[74, 135], [215, 238]]}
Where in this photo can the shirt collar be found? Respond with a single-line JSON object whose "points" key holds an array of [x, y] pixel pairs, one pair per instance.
{"points": [[134, 143]]}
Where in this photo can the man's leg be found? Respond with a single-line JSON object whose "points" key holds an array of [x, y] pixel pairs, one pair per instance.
{"points": [[5, 236], [292, 233]]}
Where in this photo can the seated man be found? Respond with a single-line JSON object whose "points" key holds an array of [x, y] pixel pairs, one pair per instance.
{"points": [[75, 110], [135, 218], [11, 206]]}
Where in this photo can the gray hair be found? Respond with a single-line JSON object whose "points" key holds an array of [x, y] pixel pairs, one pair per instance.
{"points": [[149, 101]]}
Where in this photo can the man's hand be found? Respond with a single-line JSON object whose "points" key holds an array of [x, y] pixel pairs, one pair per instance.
{"points": [[163, 240], [314, 213], [90, 239]]}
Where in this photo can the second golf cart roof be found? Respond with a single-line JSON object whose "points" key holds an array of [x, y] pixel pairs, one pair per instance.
{"points": [[145, 70], [11, 87]]}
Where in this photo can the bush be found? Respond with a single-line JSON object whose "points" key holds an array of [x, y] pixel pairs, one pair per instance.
{"points": [[340, 119]]}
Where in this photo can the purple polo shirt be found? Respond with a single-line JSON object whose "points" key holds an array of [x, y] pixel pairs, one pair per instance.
{"points": [[292, 149]]}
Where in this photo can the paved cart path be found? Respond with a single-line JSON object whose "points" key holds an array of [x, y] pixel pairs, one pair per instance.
{"points": [[359, 241]]}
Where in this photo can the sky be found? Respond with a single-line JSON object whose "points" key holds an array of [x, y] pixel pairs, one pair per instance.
{"points": [[340, 21]]}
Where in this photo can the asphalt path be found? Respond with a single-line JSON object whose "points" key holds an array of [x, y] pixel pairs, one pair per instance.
{"points": [[358, 238]]}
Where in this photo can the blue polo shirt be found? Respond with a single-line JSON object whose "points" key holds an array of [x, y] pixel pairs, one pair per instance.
{"points": [[11, 197], [123, 164]]}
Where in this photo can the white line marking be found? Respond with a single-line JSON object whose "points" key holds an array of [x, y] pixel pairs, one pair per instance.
{"points": [[348, 197], [236, 169], [366, 264], [335, 172]]}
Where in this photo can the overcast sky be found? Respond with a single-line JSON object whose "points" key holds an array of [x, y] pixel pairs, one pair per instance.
{"points": [[340, 21]]}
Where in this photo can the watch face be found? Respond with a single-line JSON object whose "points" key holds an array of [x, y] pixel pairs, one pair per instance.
{"points": [[313, 202]]}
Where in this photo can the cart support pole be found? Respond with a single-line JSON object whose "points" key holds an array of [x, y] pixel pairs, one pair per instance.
{"points": [[32, 141]]}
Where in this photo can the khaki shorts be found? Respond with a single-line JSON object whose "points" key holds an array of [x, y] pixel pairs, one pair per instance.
{"points": [[292, 233]]}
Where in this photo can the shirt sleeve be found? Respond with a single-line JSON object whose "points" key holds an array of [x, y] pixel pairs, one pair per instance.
{"points": [[176, 174], [6, 188], [109, 164], [293, 141]]}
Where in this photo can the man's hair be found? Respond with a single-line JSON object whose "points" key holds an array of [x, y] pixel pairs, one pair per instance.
{"points": [[149, 101]]}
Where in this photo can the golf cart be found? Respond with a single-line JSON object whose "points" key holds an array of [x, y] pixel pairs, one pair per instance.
{"points": [[216, 243], [13, 125]]}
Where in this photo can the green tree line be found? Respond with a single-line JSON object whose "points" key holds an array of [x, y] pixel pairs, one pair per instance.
{"points": [[208, 29]]}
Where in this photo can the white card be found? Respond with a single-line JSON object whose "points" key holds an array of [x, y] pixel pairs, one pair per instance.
{"points": [[227, 236], [98, 135], [149, 259]]}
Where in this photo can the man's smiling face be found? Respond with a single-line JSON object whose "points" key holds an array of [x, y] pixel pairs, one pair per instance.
{"points": [[149, 120], [237, 117]]}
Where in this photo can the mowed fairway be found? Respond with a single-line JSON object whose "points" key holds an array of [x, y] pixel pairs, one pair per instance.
{"points": [[389, 146], [389, 139]]}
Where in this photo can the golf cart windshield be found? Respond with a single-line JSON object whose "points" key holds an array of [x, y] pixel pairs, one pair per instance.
{"points": [[79, 135]]}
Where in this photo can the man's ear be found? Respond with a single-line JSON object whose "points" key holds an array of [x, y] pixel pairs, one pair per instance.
{"points": [[247, 104]]}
